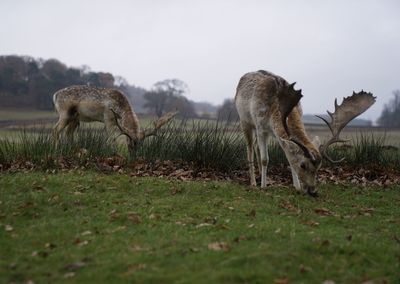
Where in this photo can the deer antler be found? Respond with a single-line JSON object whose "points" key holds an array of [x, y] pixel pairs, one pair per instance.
{"points": [[121, 128], [350, 108], [288, 99], [157, 125]]}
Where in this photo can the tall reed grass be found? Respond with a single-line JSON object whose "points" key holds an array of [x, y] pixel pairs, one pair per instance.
{"points": [[37, 147], [204, 144]]}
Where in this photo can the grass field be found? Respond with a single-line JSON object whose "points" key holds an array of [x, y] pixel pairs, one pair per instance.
{"points": [[17, 114], [17, 120], [85, 227]]}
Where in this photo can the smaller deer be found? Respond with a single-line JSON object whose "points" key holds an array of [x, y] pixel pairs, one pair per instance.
{"points": [[87, 103], [268, 105]]}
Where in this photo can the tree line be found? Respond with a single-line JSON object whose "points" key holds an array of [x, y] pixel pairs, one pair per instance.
{"points": [[27, 82]]}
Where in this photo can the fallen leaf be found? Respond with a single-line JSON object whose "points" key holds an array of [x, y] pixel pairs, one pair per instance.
{"points": [[85, 233], [239, 239], [132, 268], [12, 266], [69, 274], [194, 249], [40, 253], [203, 225], [323, 212], [80, 242], [304, 269], [134, 218], [310, 223], [8, 228], [137, 248], [281, 281], [219, 246], [154, 216], [369, 282], [50, 246]]}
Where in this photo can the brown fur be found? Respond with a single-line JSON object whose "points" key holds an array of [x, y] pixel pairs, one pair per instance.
{"points": [[258, 107], [86, 103]]}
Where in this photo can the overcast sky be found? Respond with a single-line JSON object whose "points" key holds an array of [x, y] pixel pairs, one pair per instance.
{"points": [[329, 47]]}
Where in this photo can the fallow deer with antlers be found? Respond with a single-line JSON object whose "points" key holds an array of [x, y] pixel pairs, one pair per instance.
{"points": [[87, 103], [268, 105]]}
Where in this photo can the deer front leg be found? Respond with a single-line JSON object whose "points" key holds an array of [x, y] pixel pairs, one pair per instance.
{"points": [[111, 125], [258, 155], [262, 139], [296, 181], [248, 134]]}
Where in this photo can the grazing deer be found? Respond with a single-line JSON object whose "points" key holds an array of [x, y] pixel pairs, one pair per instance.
{"points": [[86, 103], [268, 105]]}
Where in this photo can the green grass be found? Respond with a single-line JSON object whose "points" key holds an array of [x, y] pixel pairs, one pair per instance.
{"points": [[17, 114], [215, 146], [85, 227]]}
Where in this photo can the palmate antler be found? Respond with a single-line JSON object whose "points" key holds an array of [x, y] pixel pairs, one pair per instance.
{"points": [[157, 125], [350, 108], [146, 132], [288, 98]]}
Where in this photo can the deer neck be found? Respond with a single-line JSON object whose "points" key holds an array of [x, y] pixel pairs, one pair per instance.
{"points": [[296, 128], [130, 122]]}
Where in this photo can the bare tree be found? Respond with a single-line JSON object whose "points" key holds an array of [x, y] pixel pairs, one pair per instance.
{"points": [[228, 111], [390, 116], [168, 95]]}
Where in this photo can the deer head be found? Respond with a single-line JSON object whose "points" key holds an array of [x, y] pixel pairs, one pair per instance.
{"points": [[350, 108], [134, 140], [303, 159]]}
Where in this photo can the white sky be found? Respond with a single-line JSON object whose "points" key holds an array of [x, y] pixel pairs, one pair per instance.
{"points": [[329, 47]]}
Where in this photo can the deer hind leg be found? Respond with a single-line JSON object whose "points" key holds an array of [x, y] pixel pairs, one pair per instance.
{"points": [[248, 134], [62, 122], [71, 127], [262, 139]]}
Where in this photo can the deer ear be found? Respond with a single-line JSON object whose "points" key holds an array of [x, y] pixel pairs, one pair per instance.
{"points": [[290, 145], [316, 142]]}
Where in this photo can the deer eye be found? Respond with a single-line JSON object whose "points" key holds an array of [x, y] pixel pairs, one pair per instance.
{"points": [[303, 166]]}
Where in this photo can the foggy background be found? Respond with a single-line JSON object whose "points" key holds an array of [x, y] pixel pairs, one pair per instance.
{"points": [[329, 47]]}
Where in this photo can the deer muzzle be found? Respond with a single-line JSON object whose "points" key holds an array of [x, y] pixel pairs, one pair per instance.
{"points": [[312, 191]]}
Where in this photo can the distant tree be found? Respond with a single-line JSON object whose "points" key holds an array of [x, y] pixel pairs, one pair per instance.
{"points": [[53, 66], [31, 82], [228, 111], [73, 77], [184, 107], [168, 95], [156, 101], [390, 116]]}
